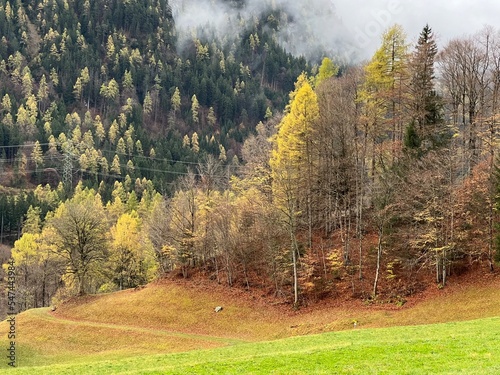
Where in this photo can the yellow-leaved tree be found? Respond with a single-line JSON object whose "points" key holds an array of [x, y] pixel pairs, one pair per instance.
{"points": [[384, 93], [77, 233], [130, 260], [37, 270], [26, 257], [292, 165], [326, 70]]}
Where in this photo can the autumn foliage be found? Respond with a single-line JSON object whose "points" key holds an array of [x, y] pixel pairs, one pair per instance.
{"points": [[371, 183]]}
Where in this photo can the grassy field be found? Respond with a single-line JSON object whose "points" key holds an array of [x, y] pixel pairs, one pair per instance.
{"points": [[467, 347], [172, 328]]}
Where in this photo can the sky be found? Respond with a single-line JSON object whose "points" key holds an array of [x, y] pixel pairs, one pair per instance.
{"points": [[449, 19], [350, 29]]}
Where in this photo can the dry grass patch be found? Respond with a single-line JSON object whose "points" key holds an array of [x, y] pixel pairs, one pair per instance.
{"points": [[42, 339], [460, 301], [178, 307]]}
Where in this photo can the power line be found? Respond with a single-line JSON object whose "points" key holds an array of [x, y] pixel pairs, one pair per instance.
{"points": [[24, 146], [158, 159], [127, 155], [68, 158], [124, 166]]}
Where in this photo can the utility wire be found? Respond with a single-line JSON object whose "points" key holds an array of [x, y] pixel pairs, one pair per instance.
{"points": [[127, 155]]}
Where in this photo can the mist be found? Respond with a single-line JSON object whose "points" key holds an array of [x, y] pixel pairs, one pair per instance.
{"points": [[312, 30], [345, 30]]}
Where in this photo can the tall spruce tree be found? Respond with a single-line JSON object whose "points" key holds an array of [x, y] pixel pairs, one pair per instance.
{"points": [[425, 103]]}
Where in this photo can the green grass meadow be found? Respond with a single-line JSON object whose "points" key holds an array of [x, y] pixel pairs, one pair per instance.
{"points": [[471, 347]]}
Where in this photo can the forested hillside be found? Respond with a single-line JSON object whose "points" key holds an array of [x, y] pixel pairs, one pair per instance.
{"points": [[133, 148], [101, 89]]}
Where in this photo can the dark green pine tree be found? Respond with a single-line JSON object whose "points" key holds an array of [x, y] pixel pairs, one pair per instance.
{"points": [[426, 104], [412, 140]]}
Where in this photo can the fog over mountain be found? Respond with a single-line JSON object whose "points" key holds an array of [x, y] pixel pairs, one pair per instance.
{"points": [[350, 30], [307, 28]]}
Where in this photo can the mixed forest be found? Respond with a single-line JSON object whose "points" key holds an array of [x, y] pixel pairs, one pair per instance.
{"points": [[127, 155]]}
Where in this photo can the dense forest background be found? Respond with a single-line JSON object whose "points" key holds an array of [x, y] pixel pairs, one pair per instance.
{"points": [[132, 149]]}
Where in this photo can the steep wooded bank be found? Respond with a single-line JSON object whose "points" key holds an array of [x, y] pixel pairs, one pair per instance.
{"points": [[194, 160]]}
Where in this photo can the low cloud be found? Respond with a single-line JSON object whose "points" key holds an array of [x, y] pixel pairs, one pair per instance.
{"points": [[349, 30], [313, 28]]}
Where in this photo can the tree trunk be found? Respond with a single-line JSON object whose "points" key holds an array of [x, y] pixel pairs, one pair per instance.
{"points": [[216, 269], [245, 273], [228, 268], [444, 267], [379, 257], [491, 211], [81, 286], [295, 275], [438, 261], [359, 229], [309, 219], [44, 282]]}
